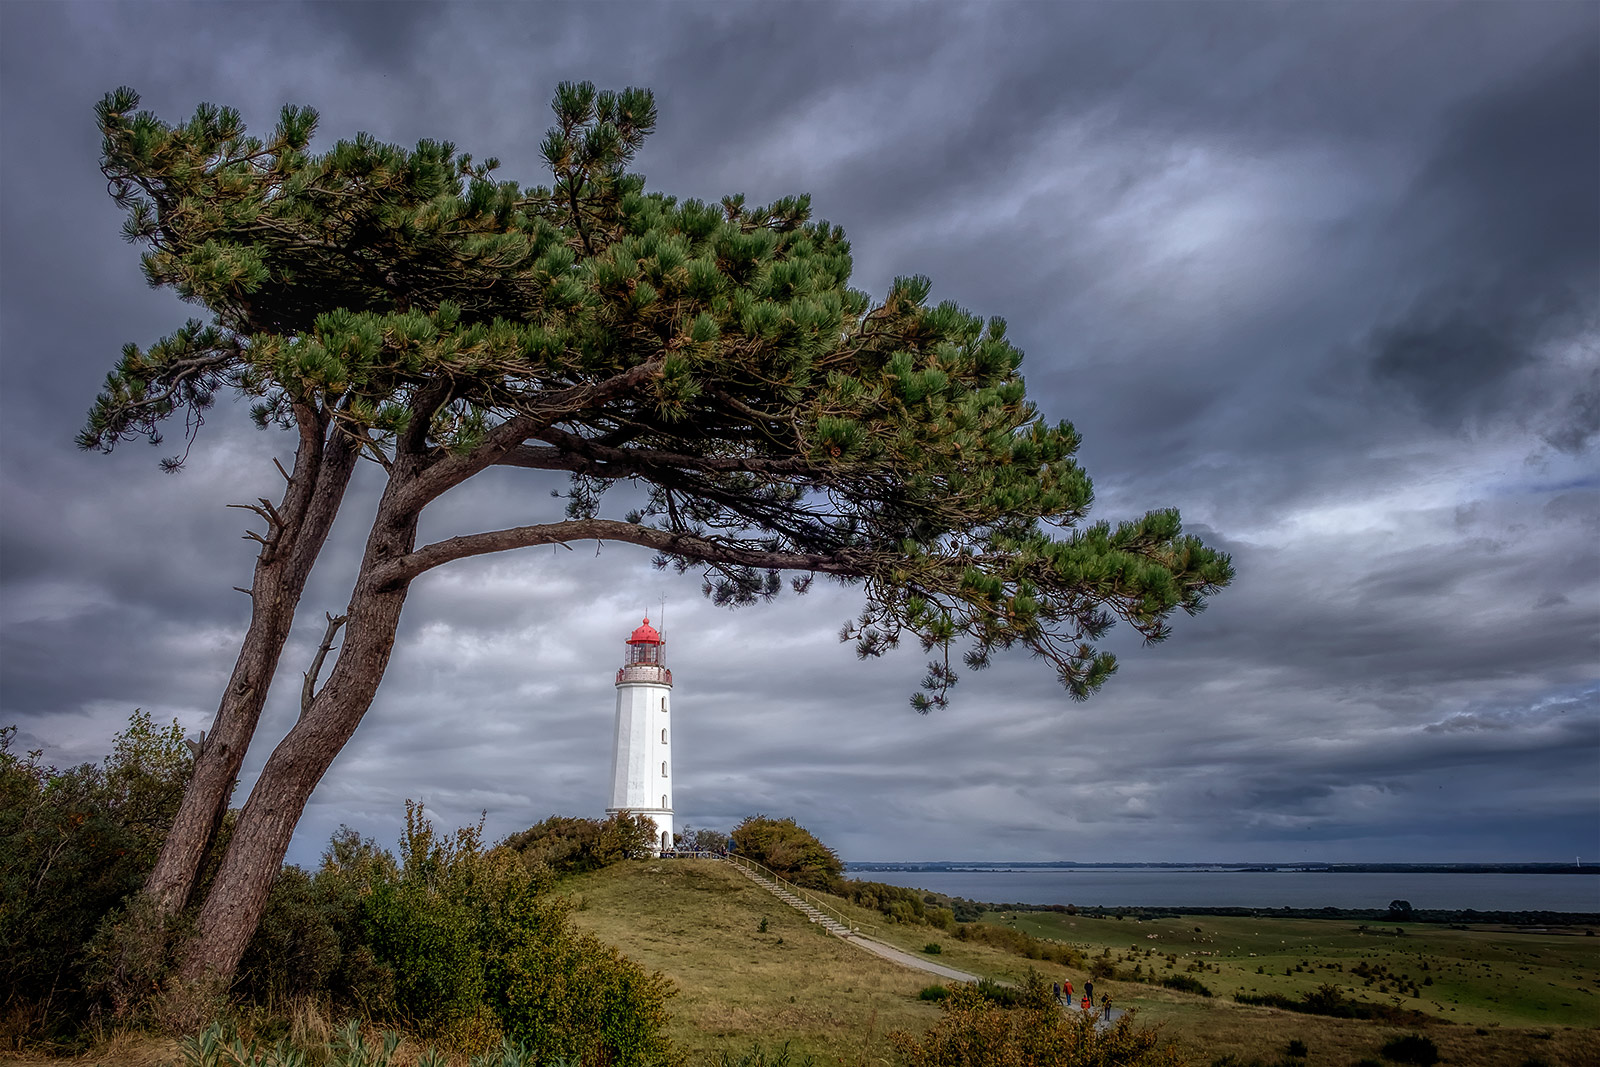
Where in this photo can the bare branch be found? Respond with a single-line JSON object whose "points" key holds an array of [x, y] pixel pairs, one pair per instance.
{"points": [[308, 689]]}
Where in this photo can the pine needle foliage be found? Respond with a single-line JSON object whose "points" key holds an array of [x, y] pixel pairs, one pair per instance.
{"points": [[712, 354]]}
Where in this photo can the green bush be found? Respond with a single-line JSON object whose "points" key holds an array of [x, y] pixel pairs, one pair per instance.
{"points": [[788, 849], [933, 992], [932, 948], [1297, 1049], [568, 845], [462, 945], [76, 843], [1185, 983], [976, 1029], [1330, 1001], [897, 903], [1020, 943]]}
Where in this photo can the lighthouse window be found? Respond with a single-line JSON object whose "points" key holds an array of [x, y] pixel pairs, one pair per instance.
{"points": [[663, 800], [663, 703], [663, 770], [663, 737]]}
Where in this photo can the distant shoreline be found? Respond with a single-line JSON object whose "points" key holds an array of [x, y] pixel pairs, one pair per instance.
{"points": [[984, 867]]}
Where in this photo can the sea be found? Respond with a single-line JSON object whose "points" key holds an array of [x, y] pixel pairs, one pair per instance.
{"points": [[1213, 887]]}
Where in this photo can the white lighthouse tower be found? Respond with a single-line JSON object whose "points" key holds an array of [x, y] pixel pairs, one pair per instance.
{"points": [[641, 761]]}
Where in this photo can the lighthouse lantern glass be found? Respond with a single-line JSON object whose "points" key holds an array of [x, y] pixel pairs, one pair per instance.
{"points": [[645, 653]]}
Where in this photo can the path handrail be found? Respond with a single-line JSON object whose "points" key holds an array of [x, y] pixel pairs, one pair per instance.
{"points": [[849, 924]]}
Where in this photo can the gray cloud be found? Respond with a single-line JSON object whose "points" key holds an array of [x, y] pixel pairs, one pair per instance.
{"points": [[1324, 277]]}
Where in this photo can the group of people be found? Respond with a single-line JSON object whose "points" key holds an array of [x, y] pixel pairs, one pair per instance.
{"points": [[1063, 991]]}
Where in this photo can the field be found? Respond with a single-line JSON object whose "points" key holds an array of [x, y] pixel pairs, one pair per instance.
{"points": [[1478, 977], [1497, 997]]}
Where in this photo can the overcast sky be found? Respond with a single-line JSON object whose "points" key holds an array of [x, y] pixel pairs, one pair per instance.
{"points": [[1324, 277]]}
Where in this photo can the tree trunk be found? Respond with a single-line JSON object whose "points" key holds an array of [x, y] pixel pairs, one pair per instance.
{"points": [[238, 896], [321, 473]]}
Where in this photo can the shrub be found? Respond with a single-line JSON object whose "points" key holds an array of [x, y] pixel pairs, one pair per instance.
{"points": [[976, 1029], [461, 944], [1297, 1049], [1185, 983], [898, 903], [932, 948], [788, 849], [758, 1057], [77, 843], [933, 992], [1328, 1000], [1020, 943], [569, 845], [1411, 1048]]}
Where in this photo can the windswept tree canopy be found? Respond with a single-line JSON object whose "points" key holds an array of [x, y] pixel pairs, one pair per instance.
{"points": [[713, 355]]}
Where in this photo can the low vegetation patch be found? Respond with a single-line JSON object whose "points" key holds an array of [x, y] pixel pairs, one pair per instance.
{"points": [[1022, 944], [1186, 984], [975, 1028], [1412, 1048], [897, 903], [1328, 1000]]}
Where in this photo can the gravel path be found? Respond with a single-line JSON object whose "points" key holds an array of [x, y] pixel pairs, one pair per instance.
{"points": [[908, 959], [922, 963]]}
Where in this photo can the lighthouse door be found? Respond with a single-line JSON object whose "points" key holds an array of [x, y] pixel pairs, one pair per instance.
{"points": [[666, 841]]}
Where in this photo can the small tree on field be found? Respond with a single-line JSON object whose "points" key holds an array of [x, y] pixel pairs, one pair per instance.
{"points": [[410, 309], [788, 849]]}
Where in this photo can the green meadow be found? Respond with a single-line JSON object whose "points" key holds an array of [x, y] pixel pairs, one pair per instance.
{"points": [[1474, 976], [1484, 996]]}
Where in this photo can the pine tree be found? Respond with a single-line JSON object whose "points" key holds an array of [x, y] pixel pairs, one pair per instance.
{"points": [[411, 309]]}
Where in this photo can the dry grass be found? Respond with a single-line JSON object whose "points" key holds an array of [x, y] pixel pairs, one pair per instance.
{"points": [[121, 1048], [698, 922]]}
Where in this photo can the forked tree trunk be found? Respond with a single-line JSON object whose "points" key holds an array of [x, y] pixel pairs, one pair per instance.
{"points": [[238, 895], [321, 473]]}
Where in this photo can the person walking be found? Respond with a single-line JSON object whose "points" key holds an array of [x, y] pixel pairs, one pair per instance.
{"points": [[1085, 1005], [1068, 988], [1105, 1002], [1055, 989], [1088, 988]]}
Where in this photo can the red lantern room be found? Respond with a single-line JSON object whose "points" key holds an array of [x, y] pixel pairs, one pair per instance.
{"points": [[645, 646]]}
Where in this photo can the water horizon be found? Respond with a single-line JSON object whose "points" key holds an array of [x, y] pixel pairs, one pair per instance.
{"points": [[1425, 886]]}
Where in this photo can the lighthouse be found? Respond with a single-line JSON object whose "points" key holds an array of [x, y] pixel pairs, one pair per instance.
{"points": [[641, 758]]}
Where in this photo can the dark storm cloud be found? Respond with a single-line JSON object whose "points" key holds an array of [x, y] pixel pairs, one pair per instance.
{"points": [[1512, 187], [1272, 261]]}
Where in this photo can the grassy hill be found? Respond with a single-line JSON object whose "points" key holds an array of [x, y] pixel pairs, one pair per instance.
{"points": [[1519, 1000], [699, 922]]}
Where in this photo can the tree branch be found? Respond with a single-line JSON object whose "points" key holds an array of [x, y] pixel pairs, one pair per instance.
{"points": [[308, 689], [541, 412], [637, 460], [844, 562]]}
